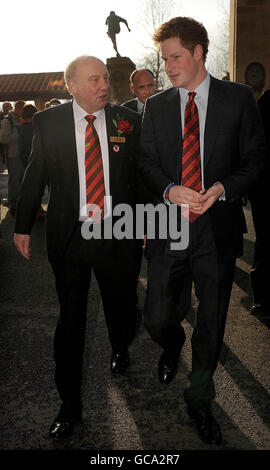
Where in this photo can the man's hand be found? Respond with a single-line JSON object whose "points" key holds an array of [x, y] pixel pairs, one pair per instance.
{"points": [[209, 198], [183, 195], [22, 243]]}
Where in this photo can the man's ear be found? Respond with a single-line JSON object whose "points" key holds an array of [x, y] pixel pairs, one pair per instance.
{"points": [[198, 52], [132, 88], [71, 86]]}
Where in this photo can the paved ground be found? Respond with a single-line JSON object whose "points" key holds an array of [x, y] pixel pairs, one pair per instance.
{"points": [[134, 412]]}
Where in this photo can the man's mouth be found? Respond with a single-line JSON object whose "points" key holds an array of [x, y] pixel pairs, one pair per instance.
{"points": [[103, 97], [174, 76]]}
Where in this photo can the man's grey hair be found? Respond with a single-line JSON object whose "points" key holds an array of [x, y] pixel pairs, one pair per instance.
{"points": [[70, 71]]}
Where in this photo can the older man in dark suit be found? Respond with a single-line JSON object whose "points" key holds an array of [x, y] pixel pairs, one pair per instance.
{"points": [[85, 150], [202, 146]]}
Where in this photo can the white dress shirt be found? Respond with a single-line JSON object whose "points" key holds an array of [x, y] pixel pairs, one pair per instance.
{"points": [[100, 126], [140, 106]]}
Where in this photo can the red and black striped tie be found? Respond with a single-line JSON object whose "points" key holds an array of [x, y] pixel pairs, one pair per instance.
{"points": [[95, 188], [191, 160]]}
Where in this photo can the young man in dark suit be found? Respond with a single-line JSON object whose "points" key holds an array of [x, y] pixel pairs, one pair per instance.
{"points": [[86, 151], [202, 146], [143, 85]]}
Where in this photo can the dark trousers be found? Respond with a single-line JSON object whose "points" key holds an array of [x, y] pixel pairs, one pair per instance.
{"points": [[105, 259], [138, 246], [168, 299]]}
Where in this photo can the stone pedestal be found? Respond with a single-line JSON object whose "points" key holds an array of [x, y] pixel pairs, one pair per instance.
{"points": [[120, 69]]}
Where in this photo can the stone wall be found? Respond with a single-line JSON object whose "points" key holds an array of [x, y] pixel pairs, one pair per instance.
{"points": [[250, 37]]}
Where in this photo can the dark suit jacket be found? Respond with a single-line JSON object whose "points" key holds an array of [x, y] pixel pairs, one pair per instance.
{"points": [[132, 104], [233, 152], [53, 161]]}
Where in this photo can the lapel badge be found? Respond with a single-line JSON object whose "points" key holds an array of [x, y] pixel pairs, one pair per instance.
{"points": [[116, 148], [117, 139]]}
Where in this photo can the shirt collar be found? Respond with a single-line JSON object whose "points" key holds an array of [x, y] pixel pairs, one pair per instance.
{"points": [[202, 90], [140, 105], [80, 113]]}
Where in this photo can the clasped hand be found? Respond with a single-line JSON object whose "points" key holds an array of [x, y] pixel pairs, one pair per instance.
{"points": [[198, 202]]}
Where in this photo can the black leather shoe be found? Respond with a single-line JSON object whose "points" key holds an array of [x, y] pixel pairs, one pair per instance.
{"points": [[207, 427], [63, 425], [167, 367], [119, 362]]}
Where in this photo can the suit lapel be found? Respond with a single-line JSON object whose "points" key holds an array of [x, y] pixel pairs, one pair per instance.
{"points": [[115, 163], [67, 124], [69, 150], [172, 115], [213, 118]]}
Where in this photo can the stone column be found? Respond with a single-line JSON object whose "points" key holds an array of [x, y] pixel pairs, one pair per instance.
{"points": [[120, 69]]}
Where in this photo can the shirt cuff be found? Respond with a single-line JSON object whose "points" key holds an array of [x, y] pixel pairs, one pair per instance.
{"points": [[223, 195], [166, 193]]}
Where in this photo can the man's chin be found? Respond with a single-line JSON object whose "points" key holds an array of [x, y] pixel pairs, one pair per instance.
{"points": [[104, 99], [176, 82], [101, 103]]}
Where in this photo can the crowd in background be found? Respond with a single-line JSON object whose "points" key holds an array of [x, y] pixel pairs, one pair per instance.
{"points": [[16, 133]]}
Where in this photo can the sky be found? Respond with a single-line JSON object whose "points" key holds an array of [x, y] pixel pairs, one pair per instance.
{"points": [[44, 36]]}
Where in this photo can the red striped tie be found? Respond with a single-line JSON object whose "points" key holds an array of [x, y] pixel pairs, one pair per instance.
{"points": [[191, 161], [95, 188]]}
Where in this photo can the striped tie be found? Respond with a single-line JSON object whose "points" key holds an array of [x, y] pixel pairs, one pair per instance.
{"points": [[191, 161], [95, 189]]}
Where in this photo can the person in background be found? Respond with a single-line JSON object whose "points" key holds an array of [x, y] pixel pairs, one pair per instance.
{"points": [[26, 136], [143, 85], [54, 102], [10, 135], [6, 107], [26, 131]]}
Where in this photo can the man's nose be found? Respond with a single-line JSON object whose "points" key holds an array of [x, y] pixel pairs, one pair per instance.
{"points": [[105, 84], [167, 66]]}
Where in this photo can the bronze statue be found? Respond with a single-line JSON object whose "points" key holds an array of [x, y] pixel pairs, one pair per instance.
{"points": [[113, 21]]}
